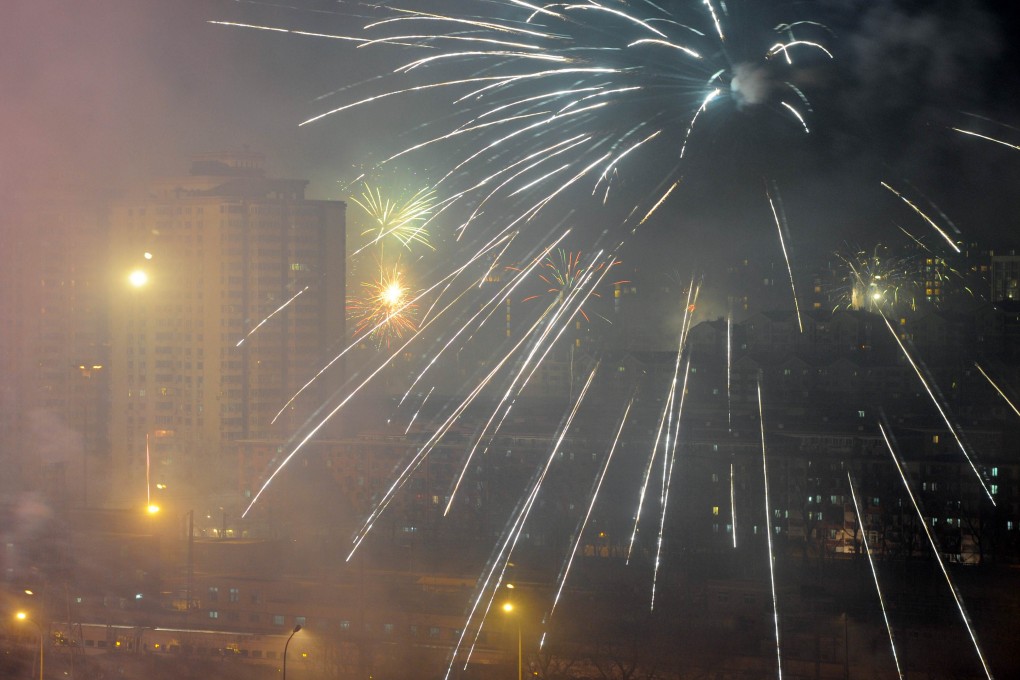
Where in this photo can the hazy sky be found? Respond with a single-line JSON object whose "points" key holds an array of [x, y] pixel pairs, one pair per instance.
{"points": [[100, 94]]}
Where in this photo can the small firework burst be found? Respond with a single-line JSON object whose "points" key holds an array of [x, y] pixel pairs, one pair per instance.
{"points": [[563, 272], [870, 280], [384, 311], [402, 220]]}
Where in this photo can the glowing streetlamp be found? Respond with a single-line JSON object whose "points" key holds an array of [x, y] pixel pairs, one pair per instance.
{"points": [[138, 278], [508, 607], [22, 616], [285, 646]]}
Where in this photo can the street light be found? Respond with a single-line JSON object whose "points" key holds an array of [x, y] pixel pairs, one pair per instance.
{"points": [[508, 607], [22, 616], [285, 646], [138, 278]]}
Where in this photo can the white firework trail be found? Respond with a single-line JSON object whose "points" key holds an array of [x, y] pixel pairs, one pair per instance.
{"points": [[874, 574], [938, 555], [325, 419], [733, 507], [591, 506], [420, 407], [271, 315], [665, 494], [768, 532], [986, 137], [782, 242], [494, 303], [530, 361], [927, 219], [449, 277], [729, 372], [505, 551], [997, 388], [665, 414], [945, 418], [402, 478]]}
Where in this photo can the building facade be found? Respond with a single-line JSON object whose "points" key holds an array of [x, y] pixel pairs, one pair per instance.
{"points": [[227, 295]]}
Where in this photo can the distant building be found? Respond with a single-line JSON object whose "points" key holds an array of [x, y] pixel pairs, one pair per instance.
{"points": [[53, 354], [227, 294], [1005, 278]]}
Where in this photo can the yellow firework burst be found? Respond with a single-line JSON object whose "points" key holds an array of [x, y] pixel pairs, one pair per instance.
{"points": [[402, 220], [383, 311]]}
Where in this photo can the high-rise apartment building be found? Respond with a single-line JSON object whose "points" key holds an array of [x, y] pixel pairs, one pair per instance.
{"points": [[53, 353], [227, 296]]}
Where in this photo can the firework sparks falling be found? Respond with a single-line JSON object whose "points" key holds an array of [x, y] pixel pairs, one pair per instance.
{"points": [[780, 227], [874, 574], [589, 69], [927, 219], [768, 532], [591, 506], [692, 292], [271, 315], [384, 311], [938, 555], [877, 279], [945, 418], [987, 138], [733, 507], [491, 245], [997, 388], [667, 477], [513, 533]]}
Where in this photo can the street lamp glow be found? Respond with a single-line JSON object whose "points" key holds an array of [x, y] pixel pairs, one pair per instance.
{"points": [[138, 278], [148, 256], [21, 616], [152, 509]]}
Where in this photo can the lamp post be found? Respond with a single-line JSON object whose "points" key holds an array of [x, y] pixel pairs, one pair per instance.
{"points": [[285, 646], [22, 616], [509, 609]]}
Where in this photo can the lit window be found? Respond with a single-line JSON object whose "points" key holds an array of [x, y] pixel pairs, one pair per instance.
{"points": [[995, 472], [214, 614], [715, 510], [277, 619], [934, 439]]}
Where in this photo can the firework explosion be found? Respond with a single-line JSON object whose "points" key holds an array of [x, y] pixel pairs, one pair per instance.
{"points": [[562, 272], [575, 94], [402, 221], [878, 279], [549, 101], [383, 312]]}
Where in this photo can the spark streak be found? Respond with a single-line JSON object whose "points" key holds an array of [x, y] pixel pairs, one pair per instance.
{"points": [[990, 139], [278, 309], [927, 219], [945, 418], [768, 531], [938, 555], [591, 506], [874, 574], [786, 256], [997, 388]]}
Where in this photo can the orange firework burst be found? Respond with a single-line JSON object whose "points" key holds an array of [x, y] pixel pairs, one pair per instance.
{"points": [[563, 271], [383, 311]]}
